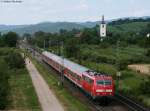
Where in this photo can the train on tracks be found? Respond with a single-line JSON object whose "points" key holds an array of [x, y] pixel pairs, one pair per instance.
{"points": [[95, 84]]}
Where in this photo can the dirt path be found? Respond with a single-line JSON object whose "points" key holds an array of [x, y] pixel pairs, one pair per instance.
{"points": [[46, 97]]}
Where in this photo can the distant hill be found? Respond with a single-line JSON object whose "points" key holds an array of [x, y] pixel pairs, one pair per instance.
{"points": [[10, 27], [89, 24], [122, 24], [46, 27]]}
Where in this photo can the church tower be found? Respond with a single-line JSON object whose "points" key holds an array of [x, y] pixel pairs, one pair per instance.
{"points": [[103, 28]]}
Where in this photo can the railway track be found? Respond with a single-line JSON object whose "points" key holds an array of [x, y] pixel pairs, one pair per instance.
{"points": [[126, 102], [102, 108], [130, 103]]}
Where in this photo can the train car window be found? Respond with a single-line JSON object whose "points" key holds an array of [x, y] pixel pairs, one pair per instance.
{"points": [[83, 77], [86, 79], [78, 78], [69, 73], [73, 75]]}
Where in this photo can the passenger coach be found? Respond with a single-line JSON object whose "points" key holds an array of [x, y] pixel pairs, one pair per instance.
{"points": [[95, 84]]}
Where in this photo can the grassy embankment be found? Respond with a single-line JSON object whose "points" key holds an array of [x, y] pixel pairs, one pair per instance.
{"points": [[21, 93], [70, 102]]}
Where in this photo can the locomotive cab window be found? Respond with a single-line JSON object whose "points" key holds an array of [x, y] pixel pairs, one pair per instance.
{"points": [[104, 82]]}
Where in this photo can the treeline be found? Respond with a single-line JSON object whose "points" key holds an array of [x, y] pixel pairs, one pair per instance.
{"points": [[9, 39], [128, 20], [72, 40], [90, 36]]}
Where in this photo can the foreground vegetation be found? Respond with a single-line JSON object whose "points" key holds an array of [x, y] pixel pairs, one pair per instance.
{"points": [[16, 90]]}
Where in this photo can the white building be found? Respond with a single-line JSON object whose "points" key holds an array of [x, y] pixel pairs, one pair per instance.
{"points": [[103, 28]]}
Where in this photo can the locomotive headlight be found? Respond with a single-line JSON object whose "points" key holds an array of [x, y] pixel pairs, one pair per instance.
{"points": [[100, 90], [109, 90]]}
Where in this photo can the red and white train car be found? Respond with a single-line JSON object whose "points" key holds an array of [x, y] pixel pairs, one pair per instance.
{"points": [[93, 83]]}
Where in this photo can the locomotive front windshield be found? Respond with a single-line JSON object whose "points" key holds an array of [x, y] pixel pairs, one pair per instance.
{"points": [[104, 82]]}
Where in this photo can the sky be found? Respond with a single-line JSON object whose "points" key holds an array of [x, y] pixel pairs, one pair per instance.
{"points": [[36, 11]]}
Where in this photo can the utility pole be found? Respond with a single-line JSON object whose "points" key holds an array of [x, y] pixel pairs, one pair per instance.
{"points": [[118, 64], [62, 68], [44, 44], [49, 43]]}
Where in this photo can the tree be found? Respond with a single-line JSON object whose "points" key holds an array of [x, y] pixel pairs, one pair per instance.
{"points": [[90, 36], [144, 87], [72, 48], [148, 53], [63, 31], [15, 60], [1, 41], [146, 30], [27, 35], [11, 39]]}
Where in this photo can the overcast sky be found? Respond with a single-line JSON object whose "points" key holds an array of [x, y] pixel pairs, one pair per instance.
{"points": [[35, 11]]}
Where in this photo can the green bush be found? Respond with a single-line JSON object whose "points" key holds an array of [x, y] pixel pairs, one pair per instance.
{"points": [[5, 51], [148, 53], [10, 39], [145, 87], [122, 64], [15, 60], [4, 86]]}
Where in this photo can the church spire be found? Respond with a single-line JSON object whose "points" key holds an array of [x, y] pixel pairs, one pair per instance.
{"points": [[103, 28], [103, 20]]}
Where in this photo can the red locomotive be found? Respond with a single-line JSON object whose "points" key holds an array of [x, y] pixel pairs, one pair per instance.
{"points": [[93, 83]]}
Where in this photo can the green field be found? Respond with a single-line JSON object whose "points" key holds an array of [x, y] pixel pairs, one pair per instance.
{"points": [[20, 94], [111, 54]]}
